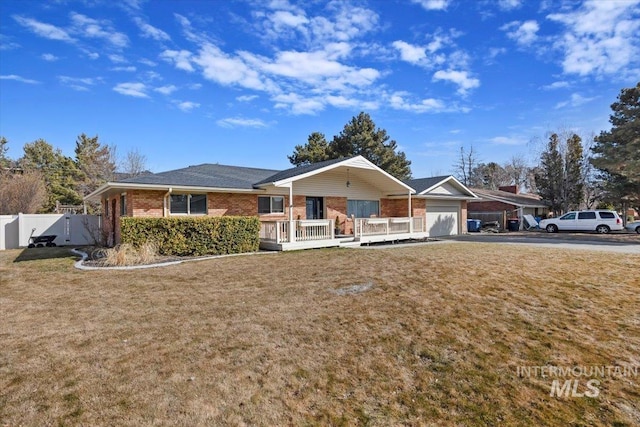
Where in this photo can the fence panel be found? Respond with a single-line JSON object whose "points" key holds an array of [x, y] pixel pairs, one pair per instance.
{"points": [[15, 231]]}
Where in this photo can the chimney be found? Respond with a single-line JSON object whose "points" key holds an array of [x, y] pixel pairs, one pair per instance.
{"points": [[509, 189]]}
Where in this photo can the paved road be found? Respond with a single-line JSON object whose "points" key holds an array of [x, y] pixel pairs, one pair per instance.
{"points": [[569, 241]]}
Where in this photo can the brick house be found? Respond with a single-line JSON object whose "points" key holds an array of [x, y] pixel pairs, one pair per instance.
{"points": [[342, 201], [507, 202]]}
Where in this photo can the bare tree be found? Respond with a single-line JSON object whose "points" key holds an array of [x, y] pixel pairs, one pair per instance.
{"points": [[21, 192], [134, 163], [467, 163]]}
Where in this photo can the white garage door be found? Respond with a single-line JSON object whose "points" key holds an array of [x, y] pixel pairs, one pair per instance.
{"points": [[442, 220]]}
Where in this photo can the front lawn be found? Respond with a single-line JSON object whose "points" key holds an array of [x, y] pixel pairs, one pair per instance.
{"points": [[425, 334]]}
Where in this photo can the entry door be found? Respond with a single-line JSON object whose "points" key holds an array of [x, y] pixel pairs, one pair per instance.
{"points": [[315, 208]]}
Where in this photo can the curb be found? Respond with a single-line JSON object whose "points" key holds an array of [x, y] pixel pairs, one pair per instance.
{"points": [[80, 266]]}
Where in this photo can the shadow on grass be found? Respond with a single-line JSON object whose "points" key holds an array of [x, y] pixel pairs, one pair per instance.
{"points": [[34, 254]]}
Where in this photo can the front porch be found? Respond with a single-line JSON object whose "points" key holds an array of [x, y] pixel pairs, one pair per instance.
{"points": [[320, 233]]}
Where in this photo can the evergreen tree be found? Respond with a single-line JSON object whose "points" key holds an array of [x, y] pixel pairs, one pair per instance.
{"points": [[60, 173], [96, 163], [359, 137], [315, 150], [617, 151], [4, 160], [550, 173], [573, 188]]}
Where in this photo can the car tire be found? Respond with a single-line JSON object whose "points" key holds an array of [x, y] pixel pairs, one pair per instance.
{"points": [[551, 228], [603, 229], [638, 229]]}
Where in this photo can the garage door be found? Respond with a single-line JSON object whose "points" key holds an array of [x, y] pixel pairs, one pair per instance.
{"points": [[443, 220]]}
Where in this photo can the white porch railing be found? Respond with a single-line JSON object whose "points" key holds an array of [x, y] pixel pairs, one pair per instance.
{"points": [[384, 226], [305, 230], [309, 230]]}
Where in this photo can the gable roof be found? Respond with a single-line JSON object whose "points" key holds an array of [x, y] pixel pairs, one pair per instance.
{"points": [[298, 170], [423, 184], [521, 200], [426, 186], [215, 177], [206, 175]]}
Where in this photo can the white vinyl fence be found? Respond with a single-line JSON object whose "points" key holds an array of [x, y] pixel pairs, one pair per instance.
{"points": [[15, 230]]}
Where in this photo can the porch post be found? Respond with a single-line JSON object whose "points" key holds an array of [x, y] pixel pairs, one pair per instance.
{"points": [[410, 215], [292, 226]]}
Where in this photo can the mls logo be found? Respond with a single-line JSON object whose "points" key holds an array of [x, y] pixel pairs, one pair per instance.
{"points": [[570, 389]]}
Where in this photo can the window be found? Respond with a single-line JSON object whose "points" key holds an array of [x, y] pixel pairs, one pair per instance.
{"points": [[586, 215], [571, 215], [363, 208], [270, 204], [123, 205], [188, 204], [609, 215]]}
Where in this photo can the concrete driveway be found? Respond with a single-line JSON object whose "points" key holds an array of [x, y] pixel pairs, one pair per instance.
{"points": [[613, 242]]}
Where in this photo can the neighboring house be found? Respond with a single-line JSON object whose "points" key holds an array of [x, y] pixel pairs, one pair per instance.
{"points": [[507, 202], [331, 203]]}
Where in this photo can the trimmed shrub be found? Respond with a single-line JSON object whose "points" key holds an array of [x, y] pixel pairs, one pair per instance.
{"points": [[193, 236]]}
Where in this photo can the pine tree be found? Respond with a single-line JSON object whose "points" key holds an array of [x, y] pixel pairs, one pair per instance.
{"points": [[549, 176], [359, 137], [617, 151], [60, 173]]}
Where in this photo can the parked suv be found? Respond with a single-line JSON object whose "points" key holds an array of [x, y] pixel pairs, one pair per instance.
{"points": [[599, 221]]}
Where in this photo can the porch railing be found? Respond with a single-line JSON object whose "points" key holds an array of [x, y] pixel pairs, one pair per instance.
{"points": [[305, 230], [382, 226]]}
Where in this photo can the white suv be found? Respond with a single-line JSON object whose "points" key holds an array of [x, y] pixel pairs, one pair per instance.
{"points": [[599, 221]]}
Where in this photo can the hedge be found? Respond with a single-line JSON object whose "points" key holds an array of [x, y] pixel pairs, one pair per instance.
{"points": [[194, 236]]}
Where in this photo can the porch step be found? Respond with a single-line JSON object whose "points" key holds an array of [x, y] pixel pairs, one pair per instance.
{"points": [[349, 243]]}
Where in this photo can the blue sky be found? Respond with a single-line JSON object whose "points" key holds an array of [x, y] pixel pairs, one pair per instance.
{"points": [[242, 82]]}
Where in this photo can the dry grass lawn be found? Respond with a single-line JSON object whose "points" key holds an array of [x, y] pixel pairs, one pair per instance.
{"points": [[435, 338]]}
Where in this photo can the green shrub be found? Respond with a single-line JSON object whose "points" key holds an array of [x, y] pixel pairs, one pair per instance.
{"points": [[193, 236]]}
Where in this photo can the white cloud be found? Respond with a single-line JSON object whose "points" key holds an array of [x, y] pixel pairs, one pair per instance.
{"points": [[186, 106], [6, 43], [432, 4], [93, 55], [508, 140], [246, 98], [151, 32], [600, 38], [49, 57], [397, 101], [19, 79], [299, 104], [147, 62], [118, 59], [180, 58], [523, 33], [460, 78], [92, 28], [137, 90], [129, 69], [575, 101], [284, 18], [410, 53], [166, 90], [556, 85], [226, 70], [42, 29], [232, 122], [79, 83], [509, 4]]}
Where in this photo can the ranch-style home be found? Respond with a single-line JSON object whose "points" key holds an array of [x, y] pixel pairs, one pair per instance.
{"points": [[338, 202]]}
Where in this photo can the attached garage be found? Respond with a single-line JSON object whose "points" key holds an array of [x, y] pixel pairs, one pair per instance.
{"points": [[445, 204], [443, 219]]}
